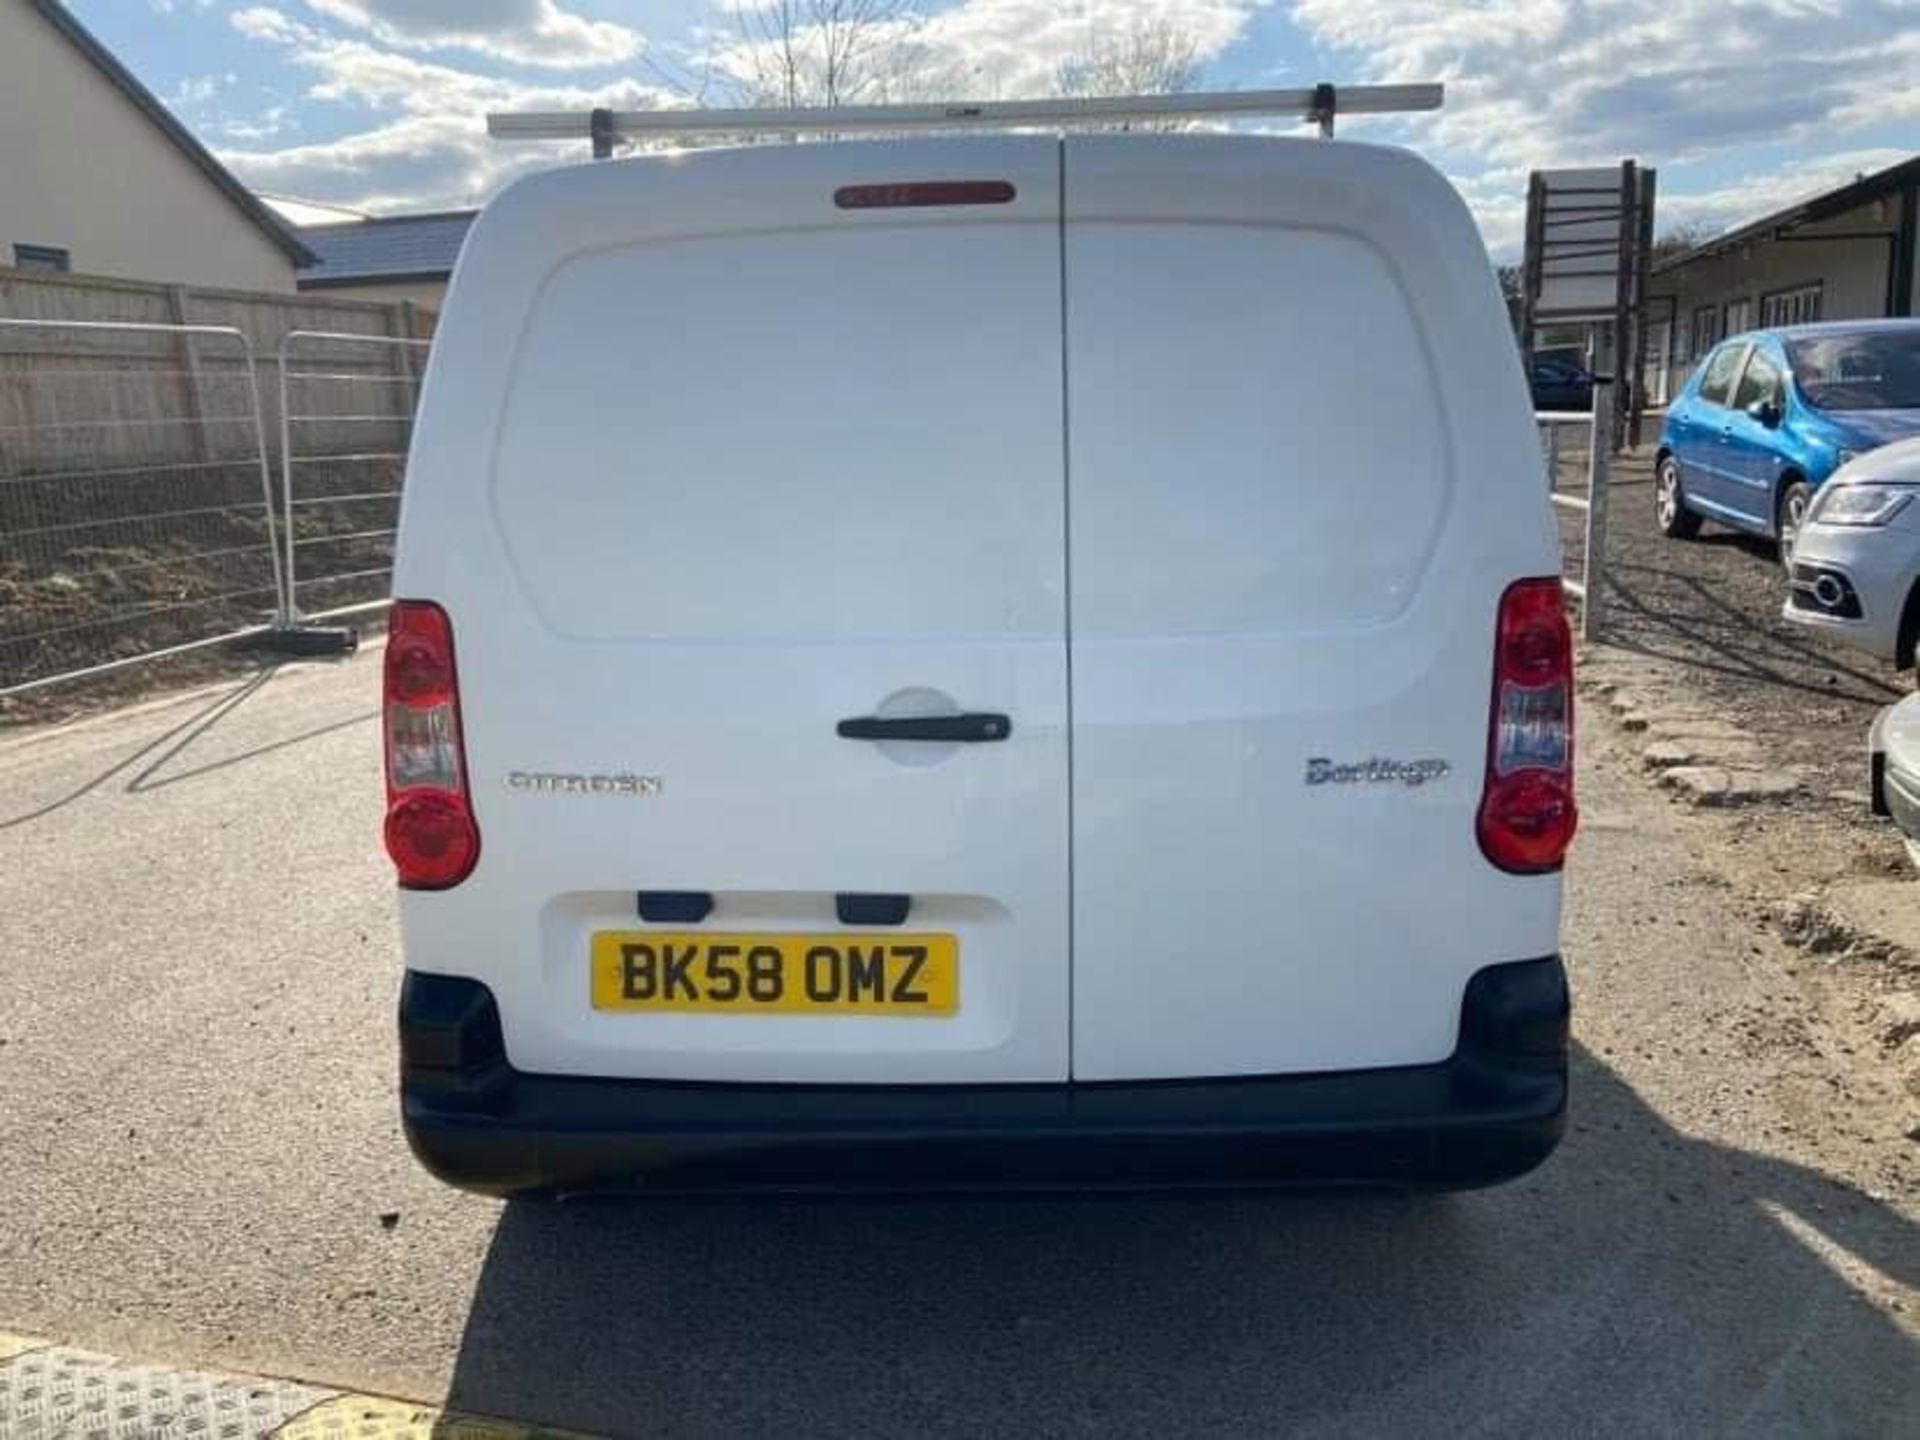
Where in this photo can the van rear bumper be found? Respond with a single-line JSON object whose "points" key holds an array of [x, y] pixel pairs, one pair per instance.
{"points": [[1495, 1109]]}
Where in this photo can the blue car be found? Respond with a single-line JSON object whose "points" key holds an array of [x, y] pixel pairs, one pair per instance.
{"points": [[1561, 385], [1770, 414]]}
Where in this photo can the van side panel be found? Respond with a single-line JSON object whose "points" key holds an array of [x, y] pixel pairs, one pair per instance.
{"points": [[1302, 471], [707, 465]]}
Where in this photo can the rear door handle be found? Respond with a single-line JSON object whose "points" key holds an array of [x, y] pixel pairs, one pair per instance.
{"points": [[969, 729]]}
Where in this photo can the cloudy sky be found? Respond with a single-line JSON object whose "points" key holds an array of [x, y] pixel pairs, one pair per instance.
{"points": [[1742, 104]]}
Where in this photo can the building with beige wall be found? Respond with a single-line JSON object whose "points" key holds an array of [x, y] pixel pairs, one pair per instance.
{"points": [[97, 177], [1847, 254]]}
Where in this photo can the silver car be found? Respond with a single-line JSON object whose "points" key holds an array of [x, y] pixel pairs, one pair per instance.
{"points": [[1895, 749], [1855, 569]]}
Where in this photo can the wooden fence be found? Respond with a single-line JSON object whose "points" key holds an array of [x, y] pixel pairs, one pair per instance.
{"points": [[166, 396], [140, 463]]}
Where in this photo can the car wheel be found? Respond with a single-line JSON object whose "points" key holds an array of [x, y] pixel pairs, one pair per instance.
{"points": [[1794, 501], [1670, 510]]}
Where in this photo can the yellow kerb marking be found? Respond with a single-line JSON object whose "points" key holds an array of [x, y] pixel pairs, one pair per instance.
{"points": [[14, 1346], [366, 1417]]}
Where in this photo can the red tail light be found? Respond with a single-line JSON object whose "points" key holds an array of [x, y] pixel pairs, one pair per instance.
{"points": [[430, 829], [1527, 814]]}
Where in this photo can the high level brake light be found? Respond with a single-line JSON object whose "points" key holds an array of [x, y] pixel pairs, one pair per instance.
{"points": [[1527, 812], [430, 830]]}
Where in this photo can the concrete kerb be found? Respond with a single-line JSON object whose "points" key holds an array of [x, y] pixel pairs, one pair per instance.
{"points": [[1702, 757], [1720, 786]]}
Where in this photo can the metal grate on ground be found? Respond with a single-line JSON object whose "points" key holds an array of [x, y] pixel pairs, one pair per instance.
{"points": [[76, 1395], [52, 1392]]}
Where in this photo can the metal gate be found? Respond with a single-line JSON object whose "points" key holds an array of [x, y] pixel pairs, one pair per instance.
{"points": [[137, 514], [1579, 485], [346, 419]]}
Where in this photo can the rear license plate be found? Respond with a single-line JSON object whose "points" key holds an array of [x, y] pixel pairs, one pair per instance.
{"points": [[747, 974]]}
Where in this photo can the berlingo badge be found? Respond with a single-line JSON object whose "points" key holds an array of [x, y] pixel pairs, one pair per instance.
{"points": [[1377, 771]]}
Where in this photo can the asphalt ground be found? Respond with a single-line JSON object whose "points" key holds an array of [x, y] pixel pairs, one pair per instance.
{"points": [[200, 1164]]}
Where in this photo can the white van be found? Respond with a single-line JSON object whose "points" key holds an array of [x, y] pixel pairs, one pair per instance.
{"points": [[988, 661]]}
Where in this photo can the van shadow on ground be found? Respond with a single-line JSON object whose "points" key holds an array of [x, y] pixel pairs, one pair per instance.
{"points": [[225, 729], [1642, 1282]]}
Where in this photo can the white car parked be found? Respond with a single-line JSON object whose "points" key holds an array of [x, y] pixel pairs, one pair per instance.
{"points": [[1894, 747], [1856, 563], [987, 661]]}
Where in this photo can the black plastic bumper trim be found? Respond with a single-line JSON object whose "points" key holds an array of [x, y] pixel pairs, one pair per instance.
{"points": [[1804, 592], [674, 907], [852, 909], [1492, 1111]]}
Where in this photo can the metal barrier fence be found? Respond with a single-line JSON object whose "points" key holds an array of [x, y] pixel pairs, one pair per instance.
{"points": [[344, 431], [1590, 588], [136, 499], [138, 513]]}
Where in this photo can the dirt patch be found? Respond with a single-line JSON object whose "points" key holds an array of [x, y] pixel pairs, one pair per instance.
{"points": [[1696, 670], [1811, 868], [85, 582]]}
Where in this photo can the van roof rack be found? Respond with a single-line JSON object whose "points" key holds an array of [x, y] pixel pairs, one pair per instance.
{"points": [[1318, 104]]}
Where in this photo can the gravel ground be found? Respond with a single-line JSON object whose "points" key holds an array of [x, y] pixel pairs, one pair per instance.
{"points": [[1707, 613], [200, 1164]]}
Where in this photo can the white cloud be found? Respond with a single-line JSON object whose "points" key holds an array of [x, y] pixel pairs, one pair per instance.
{"points": [[197, 89], [1556, 82], [306, 212], [525, 32], [1752, 196], [433, 152], [1015, 46], [988, 49], [251, 131], [414, 163], [1545, 83], [1530, 83]]}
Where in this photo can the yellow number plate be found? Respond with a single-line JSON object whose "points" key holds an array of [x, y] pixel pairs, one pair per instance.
{"points": [[714, 974]]}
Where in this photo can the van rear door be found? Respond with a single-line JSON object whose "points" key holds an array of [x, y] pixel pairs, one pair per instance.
{"points": [[1301, 473], [778, 446]]}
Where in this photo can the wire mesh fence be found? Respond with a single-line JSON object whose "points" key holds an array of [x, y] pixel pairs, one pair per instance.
{"points": [[346, 408], [152, 501], [136, 502]]}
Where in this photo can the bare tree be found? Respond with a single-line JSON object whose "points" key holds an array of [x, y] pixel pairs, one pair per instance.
{"points": [[814, 53], [821, 52], [1148, 57], [1676, 239]]}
